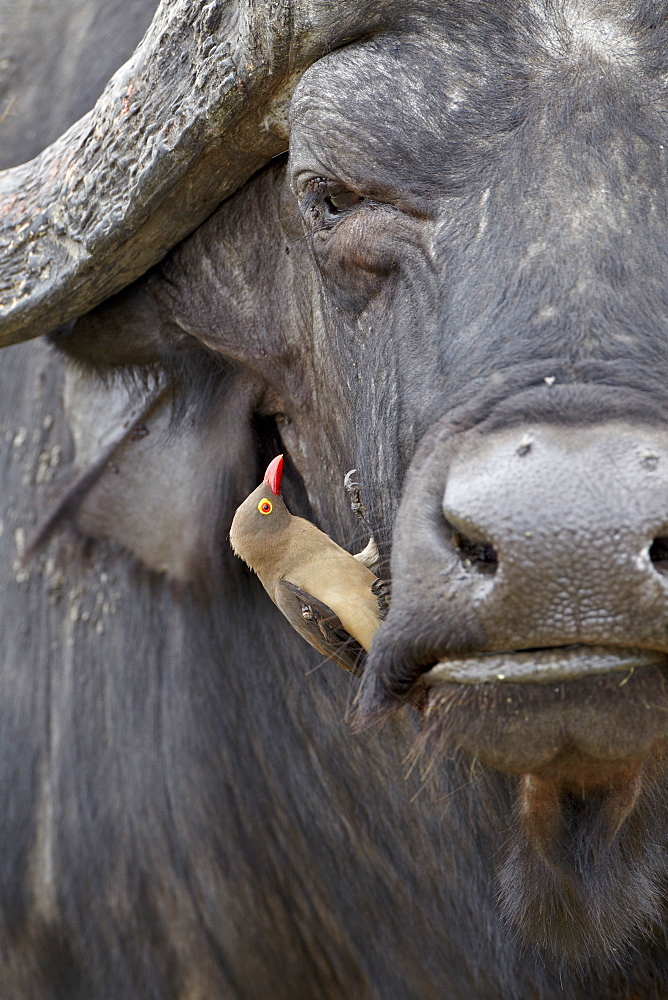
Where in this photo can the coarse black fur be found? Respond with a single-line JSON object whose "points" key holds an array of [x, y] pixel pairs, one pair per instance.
{"points": [[584, 892], [187, 813]]}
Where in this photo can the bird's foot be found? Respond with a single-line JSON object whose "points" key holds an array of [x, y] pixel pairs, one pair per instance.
{"points": [[354, 492], [382, 591], [369, 555]]}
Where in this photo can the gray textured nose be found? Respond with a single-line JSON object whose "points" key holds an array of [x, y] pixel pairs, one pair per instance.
{"points": [[563, 534]]}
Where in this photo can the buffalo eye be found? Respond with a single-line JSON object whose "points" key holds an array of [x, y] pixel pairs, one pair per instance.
{"points": [[329, 198], [342, 199]]}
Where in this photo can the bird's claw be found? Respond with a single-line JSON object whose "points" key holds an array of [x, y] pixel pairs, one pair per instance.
{"points": [[353, 490], [369, 555], [382, 591]]}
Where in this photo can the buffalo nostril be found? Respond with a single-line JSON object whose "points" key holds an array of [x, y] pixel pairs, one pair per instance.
{"points": [[477, 555], [658, 553]]}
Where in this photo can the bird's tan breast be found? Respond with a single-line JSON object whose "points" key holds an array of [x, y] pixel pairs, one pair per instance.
{"points": [[322, 568]]}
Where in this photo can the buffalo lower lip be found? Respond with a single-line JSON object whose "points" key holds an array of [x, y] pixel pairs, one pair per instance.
{"points": [[542, 666]]}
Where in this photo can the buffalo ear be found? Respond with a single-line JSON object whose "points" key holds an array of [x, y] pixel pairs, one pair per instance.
{"points": [[160, 482]]}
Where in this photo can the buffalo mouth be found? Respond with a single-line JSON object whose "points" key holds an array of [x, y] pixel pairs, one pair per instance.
{"points": [[541, 666], [520, 712], [582, 734], [582, 727]]}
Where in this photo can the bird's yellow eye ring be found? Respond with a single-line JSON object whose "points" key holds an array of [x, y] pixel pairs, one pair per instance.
{"points": [[265, 506]]}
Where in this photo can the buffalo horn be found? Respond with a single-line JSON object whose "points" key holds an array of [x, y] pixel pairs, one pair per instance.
{"points": [[179, 127]]}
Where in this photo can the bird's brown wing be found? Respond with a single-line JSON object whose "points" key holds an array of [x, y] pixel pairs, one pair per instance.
{"points": [[318, 624]]}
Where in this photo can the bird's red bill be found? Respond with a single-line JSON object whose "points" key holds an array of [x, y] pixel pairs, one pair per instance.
{"points": [[272, 476]]}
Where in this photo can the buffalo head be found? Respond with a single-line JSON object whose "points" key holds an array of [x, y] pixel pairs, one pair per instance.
{"points": [[453, 280]]}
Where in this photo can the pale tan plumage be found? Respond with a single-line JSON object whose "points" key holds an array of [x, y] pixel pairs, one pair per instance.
{"points": [[284, 549]]}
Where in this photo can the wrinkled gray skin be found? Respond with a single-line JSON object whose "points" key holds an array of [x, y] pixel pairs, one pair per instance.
{"points": [[186, 813]]}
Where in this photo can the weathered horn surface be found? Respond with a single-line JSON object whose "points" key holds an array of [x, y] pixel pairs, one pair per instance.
{"points": [[184, 123]]}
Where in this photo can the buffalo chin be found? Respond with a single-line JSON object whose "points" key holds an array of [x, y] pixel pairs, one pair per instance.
{"points": [[581, 875]]}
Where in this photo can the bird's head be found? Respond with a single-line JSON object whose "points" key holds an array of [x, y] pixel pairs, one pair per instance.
{"points": [[261, 518]]}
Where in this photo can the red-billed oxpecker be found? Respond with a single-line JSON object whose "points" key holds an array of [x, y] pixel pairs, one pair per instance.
{"points": [[327, 594]]}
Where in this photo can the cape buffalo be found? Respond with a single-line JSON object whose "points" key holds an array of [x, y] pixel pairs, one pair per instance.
{"points": [[424, 239]]}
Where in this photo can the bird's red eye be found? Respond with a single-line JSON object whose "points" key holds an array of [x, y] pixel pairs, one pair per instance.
{"points": [[265, 506]]}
